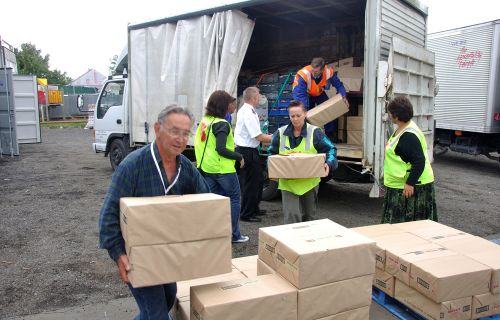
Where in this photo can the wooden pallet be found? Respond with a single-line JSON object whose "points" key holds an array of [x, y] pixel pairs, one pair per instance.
{"points": [[400, 310]]}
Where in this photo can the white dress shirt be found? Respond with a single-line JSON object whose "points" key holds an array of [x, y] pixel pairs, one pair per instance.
{"points": [[247, 127]]}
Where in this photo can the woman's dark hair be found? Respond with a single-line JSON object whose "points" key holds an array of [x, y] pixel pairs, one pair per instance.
{"points": [[297, 103], [218, 104], [401, 108]]}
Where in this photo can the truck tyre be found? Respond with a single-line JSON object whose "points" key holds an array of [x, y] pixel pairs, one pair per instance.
{"points": [[270, 190], [117, 152]]}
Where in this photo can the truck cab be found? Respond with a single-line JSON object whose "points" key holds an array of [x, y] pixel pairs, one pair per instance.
{"points": [[111, 120]]}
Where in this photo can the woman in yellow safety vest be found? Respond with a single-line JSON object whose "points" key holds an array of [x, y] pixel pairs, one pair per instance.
{"points": [[300, 196], [408, 175], [215, 156]]}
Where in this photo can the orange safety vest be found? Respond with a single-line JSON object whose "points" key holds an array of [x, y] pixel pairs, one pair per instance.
{"points": [[313, 89]]}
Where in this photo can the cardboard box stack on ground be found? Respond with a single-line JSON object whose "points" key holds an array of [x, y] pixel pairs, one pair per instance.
{"points": [[267, 297], [328, 111], [246, 265], [457, 309], [296, 166], [159, 253], [355, 130], [181, 309], [331, 266]]}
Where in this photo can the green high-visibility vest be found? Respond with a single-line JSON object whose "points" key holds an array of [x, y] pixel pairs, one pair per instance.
{"points": [[396, 171], [212, 162], [298, 186]]}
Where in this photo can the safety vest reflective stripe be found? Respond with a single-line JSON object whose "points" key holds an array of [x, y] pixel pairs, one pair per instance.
{"points": [[313, 88], [298, 186], [283, 141]]}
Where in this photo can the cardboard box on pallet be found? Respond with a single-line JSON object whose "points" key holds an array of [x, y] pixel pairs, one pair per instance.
{"points": [[316, 252], [490, 259], [267, 297], [468, 245], [457, 309], [398, 260], [378, 230], [384, 281], [333, 298], [432, 231], [296, 166], [394, 241], [356, 314], [328, 111], [485, 305], [450, 277], [159, 253]]}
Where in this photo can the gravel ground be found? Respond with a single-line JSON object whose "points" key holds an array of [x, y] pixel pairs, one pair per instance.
{"points": [[50, 198]]}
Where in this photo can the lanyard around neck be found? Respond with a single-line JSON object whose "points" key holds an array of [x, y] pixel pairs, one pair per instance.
{"points": [[161, 176]]}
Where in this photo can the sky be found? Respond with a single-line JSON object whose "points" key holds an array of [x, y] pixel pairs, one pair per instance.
{"points": [[82, 35]]}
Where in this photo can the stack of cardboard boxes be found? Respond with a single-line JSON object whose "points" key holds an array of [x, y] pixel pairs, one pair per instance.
{"points": [[176, 238], [330, 266], [438, 271]]}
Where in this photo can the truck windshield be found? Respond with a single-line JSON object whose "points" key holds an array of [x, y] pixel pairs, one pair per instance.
{"points": [[112, 95]]}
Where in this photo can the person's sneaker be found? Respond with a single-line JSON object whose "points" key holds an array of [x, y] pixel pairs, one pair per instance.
{"points": [[241, 239]]}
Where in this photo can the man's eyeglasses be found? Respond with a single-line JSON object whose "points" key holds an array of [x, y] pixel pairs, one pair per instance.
{"points": [[178, 133]]}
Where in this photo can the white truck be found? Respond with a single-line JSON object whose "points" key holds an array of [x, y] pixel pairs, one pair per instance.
{"points": [[467, 110], [183, 59]]}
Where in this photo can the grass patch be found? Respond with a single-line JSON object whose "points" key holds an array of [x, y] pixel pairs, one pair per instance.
{"points": [[62, 125]]}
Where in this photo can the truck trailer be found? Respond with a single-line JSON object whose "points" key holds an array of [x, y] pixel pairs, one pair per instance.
{"points": [[183, 59], [467, 111]]}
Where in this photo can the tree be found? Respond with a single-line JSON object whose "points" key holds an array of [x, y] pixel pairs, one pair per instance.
{"points": [[58, 77], [31, 62]]}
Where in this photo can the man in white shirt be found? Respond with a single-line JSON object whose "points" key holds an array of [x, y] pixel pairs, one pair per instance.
{"points": [[247, 137]]}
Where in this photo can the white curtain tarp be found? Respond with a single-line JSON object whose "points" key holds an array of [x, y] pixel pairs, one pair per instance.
{"points": [[183, 63]]}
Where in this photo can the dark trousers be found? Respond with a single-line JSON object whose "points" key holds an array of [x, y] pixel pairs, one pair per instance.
{"points": [[330, 127], [154, 302], [251, 181]]}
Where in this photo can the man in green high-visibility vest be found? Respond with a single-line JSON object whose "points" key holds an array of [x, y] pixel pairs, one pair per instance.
{"points": [[300, 196]]}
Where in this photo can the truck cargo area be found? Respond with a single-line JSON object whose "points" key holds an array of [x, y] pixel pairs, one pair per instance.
{"points": [[287, 35]]}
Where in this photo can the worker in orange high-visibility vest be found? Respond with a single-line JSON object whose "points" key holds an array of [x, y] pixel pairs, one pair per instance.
{"points": [[310, 84]]}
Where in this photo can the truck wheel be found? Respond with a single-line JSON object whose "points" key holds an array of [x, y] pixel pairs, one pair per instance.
{"points": [[117, 152], [270, 190]]}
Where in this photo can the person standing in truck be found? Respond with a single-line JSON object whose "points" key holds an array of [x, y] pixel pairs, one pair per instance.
{"points": [[156, 169], [408, 176], [215, 156], [300, 196], [247, 137], [310, 84]]}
